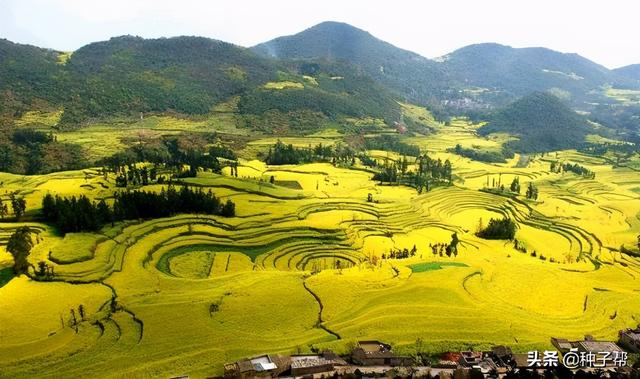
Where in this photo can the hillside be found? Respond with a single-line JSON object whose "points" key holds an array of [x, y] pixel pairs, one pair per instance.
{"points": [[631, 71], [541, 121], [127, 75], [29, 76], [474, 78], [513, 72], [408, 73], [183, 74]]}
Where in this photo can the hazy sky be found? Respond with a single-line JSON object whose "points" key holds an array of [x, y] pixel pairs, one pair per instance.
{"points": [[607, 32]]}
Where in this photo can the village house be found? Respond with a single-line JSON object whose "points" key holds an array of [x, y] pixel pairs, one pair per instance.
{"points": [[309, 364], [470, 359], [588, 345], [630, 339], [263, 366], [376, 353]]}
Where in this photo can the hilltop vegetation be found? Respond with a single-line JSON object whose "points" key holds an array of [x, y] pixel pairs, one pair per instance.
{"points": [[542, 123], [403, 71]]}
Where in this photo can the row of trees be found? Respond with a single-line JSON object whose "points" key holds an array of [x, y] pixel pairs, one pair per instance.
{"points": [[515, 187], [27, 151], [575, 168], [429, 172], [489, 156], [18, 205], [281, 154], [80, 214], [171, 152], [388, 142]]}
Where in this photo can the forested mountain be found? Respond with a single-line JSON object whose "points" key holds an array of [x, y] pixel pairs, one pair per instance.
{"points": [[188, 75], [185, 74], [542, 122], [329, 70], [516, 72], [476, 77], [28, 75], [414, 76], [630, 71]]}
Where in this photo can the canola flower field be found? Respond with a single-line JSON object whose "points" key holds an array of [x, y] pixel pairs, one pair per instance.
{"points": [[301, 267]]}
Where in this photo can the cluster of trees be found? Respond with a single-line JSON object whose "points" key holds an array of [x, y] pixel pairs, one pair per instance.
{"points": [[400, 253], [80, 214], [575, 168], [448, 249], [172, 152], [498, 229], [18, 205], [532, 192], [281, 153], [515, 185], [429, 172], [28, 151], [19, 246], [489, 156], [389, 142]]}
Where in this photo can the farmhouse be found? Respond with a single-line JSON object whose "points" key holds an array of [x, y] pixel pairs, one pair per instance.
{"points": [[263, 366], [588, 345], [630, 339], [470, 358], [376, 353], [302, 365]]}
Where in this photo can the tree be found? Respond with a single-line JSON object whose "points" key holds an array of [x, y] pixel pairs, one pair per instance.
{"points": [[229, 209], [19, 205], [453, 245], [515, 185], [4, 210], [532, 192], [19, 246]]}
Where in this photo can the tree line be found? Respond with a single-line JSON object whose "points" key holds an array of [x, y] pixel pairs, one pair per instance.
{"points": [[281, 154], [18, 205], [489, 156], [71, 214], [429, 172], [173, 152], [28, 151], [575, 168]]}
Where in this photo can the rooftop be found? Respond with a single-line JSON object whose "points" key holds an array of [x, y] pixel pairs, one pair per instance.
{"points": [[597, 346], [374, 347]]}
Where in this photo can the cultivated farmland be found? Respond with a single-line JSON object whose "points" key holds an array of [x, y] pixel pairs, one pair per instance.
{"points": [[305, 264]]}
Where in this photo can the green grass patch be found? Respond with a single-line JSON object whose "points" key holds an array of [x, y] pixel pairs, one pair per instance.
{"points": [[431, 266]]}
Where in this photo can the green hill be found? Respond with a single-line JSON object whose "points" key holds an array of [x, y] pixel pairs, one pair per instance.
{"points": [[186, 75], [409, 74], [516, 72], [183, 74], [542, 123], [29, 77], [630, 71]]}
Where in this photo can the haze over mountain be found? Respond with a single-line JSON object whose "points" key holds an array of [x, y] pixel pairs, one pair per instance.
{"points": [[630, 71]]}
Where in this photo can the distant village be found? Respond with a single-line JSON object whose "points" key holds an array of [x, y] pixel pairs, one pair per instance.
{"points": [[377, 359]]}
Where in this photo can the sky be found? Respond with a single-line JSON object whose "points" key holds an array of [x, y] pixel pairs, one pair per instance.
{"points": [[606, 32]]}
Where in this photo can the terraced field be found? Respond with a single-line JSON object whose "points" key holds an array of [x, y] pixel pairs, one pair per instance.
{"points": [[301, 267]]}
